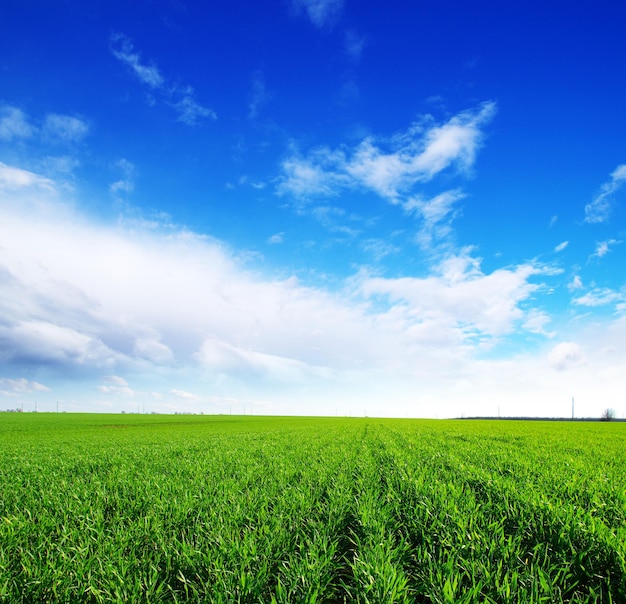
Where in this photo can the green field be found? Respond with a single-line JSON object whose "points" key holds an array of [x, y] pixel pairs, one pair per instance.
{"points": [[141, 508]]}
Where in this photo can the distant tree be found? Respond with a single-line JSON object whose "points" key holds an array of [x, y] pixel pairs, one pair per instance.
{"points": [[607, 415]]}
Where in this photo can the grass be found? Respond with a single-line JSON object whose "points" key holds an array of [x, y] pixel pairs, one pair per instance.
{"points": [[142, 508]]}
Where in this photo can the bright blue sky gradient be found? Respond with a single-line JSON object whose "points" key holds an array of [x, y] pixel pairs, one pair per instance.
{"points": [[313, 207]]}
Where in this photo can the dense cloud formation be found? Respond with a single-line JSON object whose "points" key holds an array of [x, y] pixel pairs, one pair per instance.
{"points": [[114, 300], [313, 207]]}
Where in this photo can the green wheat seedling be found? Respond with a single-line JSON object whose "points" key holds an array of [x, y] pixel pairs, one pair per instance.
{"points": [[105, 508]]}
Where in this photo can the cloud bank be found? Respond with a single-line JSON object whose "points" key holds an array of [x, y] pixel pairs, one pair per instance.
{"points": [[114, 300], [159, 313]]}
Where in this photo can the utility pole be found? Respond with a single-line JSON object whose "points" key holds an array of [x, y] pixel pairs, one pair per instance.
{"points": [[572, 408]]}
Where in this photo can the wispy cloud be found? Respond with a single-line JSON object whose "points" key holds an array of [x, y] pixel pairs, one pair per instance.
{"points": [[322, 13], [15, 387], [575, 283], [14, 124], [276, 238], [389, 168], [393, 168], [123, 49], [180, 98], [600, 297], [437, 214], [536, 321], [459, 299], [190, 112], [126, 184], [259, 95], [599, 209], [322, 173], [328, 216], [13, 179], [604, 247], [183, 395], [117, 385], [65, 128], [379, 248], [50, 141], [354, 44], [561, 246], [566, 355]]}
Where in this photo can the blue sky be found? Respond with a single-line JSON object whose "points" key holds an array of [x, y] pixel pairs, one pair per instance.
{"points": [[313, 207]]}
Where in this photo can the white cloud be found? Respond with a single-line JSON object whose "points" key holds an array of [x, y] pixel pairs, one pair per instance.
{"points": [[171, 311], [328, 215], [566, 355], [33, 342], [460, 299], [60, 165], [107, 297], [599, 297], [116, 385], [55, 127], [65, 128], [276, 238], [455, 142], [14, 387], [190, 112], [599, 209], [102, 298], [123, 49], [183, 395], [379, 248], [115, 380], [393, 168], [420, 154], [314, 175], [603, 248], [322, 13], [49, 142], [221, 357], [180, 98], [561, 246], [575, 283], [259, 95], [126, 184], [153, 350], [14, 179], [14, 124], [437, 214], [536, 321]]}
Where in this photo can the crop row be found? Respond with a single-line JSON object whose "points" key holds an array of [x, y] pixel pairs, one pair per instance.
{"points": [[311, 510]]}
